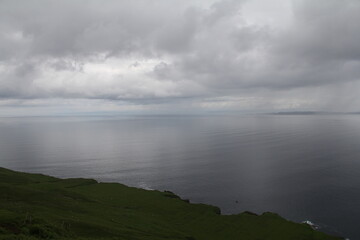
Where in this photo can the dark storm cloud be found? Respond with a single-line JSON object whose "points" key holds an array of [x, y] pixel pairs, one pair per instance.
{"points": [[140, 50]]}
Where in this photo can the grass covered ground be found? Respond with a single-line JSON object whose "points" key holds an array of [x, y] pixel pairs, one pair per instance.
{"points": [[34, 206]]}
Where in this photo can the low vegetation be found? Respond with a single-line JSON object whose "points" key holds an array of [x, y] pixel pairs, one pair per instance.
{"points": [[34, 206]]}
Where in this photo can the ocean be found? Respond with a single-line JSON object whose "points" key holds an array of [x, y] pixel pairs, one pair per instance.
{"points": [[303, 167]]}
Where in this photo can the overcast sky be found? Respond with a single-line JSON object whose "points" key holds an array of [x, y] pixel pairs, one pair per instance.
{"points": [[178, 56]]}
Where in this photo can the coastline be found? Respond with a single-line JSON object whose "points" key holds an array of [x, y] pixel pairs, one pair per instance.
{"points": [[36, 206]]}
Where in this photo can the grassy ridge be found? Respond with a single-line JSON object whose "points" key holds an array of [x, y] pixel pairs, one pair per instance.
{"points": [[34, 206]]}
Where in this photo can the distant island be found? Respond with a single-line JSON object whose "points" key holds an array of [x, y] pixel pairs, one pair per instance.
{"points": [[299, 113], [314, 113], [35, 206]]}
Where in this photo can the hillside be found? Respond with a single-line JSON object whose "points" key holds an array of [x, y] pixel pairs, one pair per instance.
{"points": [[34, 206]]}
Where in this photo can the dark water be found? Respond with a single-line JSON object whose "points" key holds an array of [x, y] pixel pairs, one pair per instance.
{"points": [[302, 167]]}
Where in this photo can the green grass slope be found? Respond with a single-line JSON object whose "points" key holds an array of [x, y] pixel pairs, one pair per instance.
{"points": [[34, 206]]}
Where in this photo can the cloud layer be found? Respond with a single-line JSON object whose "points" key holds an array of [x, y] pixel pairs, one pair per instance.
{"points": [[220, 55]]}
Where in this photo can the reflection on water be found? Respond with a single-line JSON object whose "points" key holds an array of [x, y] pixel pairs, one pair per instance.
{"points": [[302, 167]]}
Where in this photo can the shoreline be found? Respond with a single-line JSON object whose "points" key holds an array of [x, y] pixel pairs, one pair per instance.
{"points": [[37, 206]]}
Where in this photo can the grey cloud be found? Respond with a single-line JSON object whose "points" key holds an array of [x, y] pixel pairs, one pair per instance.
{"points": [[66, 65], [203, 50], [326, 30], [320, 48], [177, 36], [17, 80], [222, 10], [59, 28]]}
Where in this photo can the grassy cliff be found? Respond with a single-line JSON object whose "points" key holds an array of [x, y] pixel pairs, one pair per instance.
{"points": [[34, 206]]}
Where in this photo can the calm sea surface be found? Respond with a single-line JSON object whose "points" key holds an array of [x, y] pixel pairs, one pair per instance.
{"points": [[302, 167]]}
